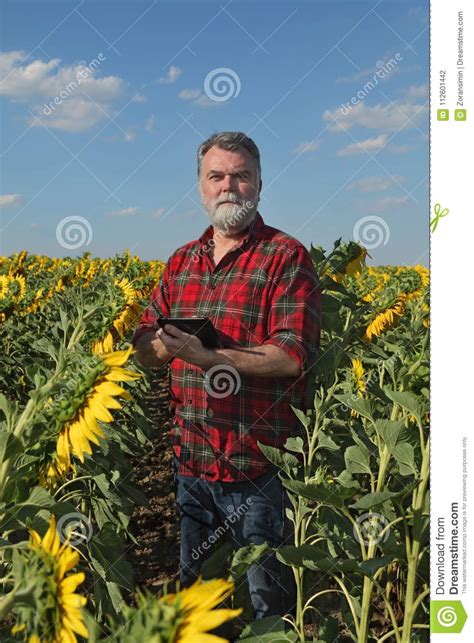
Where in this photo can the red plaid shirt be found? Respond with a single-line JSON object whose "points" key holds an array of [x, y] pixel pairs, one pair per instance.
{"points": [[264, 291]]}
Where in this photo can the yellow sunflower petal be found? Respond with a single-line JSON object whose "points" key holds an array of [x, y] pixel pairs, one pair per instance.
{"points": [[118, 374], [72, 582], [208, 620], [68, 559], [109, 388], [76, 624], [99, 411], [107, 401], [117, 358]]}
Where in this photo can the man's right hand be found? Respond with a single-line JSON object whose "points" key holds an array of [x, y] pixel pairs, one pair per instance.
{"points": [[150, 350]]}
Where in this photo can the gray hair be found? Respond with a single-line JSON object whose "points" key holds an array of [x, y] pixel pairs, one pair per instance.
{"points": [[230, 141]]}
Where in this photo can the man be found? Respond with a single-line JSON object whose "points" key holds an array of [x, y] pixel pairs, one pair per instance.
{"points": [[259, 288]]}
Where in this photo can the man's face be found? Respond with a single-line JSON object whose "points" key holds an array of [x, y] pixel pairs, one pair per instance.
{"points": [[229, 190]]}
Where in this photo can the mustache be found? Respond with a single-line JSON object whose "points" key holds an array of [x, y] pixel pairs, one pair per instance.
{"points": [[231, 198]]}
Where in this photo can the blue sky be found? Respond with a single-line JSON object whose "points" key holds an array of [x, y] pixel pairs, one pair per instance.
{"points": [[116, 153]]}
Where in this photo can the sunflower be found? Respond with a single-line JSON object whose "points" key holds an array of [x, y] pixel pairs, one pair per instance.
{"points": [[56, 617], [82, 428], [4, 286], [386, 319], [124, 322], [426, 317], [358, 376], [355, 266], [197, 614]]}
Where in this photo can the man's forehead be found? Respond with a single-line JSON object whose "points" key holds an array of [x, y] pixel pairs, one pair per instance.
{"points": [[219, 159]]}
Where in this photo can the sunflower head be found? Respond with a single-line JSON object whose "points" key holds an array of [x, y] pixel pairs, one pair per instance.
{"points": [[86, 399], [55, 611], [183, 617]]}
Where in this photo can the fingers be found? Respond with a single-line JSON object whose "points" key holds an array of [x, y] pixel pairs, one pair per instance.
{"points": [[172, 330]]}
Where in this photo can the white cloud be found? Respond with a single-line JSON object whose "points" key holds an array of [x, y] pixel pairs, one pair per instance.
{"points": [[307, 146], [401, 149], [417, 91], [150, 123], [124, 212], [69, 97], [49, 79], [174, 73], [73, 115], [189, 94], [158, 213], [369, 145], [388, 203], [366, 73], [10, 200], [205, 101], [389, 117], [199, 99], [375, 183], [139, 98]]}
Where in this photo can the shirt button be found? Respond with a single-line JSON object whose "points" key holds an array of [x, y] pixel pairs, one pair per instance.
{"points": [[209, 413], [190, 401], [190, 371]]}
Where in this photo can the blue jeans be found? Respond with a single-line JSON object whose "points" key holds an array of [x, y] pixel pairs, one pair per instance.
{"points": [[247, 512]]}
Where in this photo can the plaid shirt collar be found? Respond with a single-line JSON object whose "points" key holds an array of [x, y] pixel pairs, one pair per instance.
{"points": [[253, 231]]}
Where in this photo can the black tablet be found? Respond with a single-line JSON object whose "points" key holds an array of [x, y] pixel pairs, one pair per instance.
{"points": [[202, 327]]}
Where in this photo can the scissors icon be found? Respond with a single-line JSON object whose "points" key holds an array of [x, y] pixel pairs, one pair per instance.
{"points": [[439, 214]]}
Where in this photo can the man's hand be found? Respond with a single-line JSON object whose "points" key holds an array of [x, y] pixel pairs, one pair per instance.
{"points": [[183, 345]]}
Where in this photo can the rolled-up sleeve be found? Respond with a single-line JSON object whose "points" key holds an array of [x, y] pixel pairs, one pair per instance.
{"points": [[160, 296], [294, 315]]}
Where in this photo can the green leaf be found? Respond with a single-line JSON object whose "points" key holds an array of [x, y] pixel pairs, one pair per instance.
{"points": [[295, 444], [335, 496], [371, 500], [279, 458], [271, 629], [346, 480], [358, 404], [357, 459], [107, 551], [389, 431], [369, 567], [301, 415], [10, 445], [245, 557], [10, 409], [407, 401], [326, 442], [298, 556], [405, 457]]}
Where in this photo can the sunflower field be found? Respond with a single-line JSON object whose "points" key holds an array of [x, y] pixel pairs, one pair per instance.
{"points": [[72, 416]]}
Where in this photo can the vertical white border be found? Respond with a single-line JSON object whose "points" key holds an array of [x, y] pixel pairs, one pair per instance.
{"points": [[452, 288]]}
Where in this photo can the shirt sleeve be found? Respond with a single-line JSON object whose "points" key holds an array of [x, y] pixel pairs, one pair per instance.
{"points": [[160, 296], [294, 316]]}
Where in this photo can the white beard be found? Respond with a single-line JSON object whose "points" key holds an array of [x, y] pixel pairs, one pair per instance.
{"points": [[231, 218]]}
